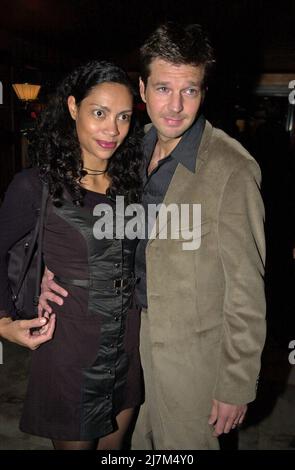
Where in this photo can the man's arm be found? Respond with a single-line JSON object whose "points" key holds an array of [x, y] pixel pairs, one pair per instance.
{"points": [[242, 251], [49, 291]]}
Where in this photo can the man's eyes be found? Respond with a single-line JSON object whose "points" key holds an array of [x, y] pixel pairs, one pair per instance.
{"points": [[187, 91], [192, 91], [163, 89]]}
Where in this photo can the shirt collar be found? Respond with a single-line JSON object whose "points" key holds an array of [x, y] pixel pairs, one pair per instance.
{"points": [[186, 150]]}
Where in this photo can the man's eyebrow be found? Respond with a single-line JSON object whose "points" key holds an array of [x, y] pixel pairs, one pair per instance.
{"points": [[191, 83], [161, 83]]}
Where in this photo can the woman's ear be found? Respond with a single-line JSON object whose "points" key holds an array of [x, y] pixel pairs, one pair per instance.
{"points": [[72, 107]]}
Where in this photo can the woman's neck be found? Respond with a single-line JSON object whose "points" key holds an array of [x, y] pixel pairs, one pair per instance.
{"points": [[96, 183]]}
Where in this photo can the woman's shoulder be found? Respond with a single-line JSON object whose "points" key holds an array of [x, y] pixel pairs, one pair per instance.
{"points": [[27, 179], [25, 186]]}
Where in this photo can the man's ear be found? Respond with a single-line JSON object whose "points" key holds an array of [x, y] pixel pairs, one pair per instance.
{"points": [[72, 107], [203, 94], [142, 89]]}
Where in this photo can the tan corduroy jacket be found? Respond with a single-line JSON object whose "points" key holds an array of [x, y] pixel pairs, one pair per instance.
{"points": [[207, 305]]}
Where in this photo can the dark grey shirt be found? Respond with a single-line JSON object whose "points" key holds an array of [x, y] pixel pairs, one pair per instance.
{"points": [[157, 183]]}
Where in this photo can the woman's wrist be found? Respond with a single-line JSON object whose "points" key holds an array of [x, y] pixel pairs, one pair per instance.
{"points": [[4, 322]]}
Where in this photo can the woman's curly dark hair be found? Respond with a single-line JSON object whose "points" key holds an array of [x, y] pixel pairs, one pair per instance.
{"points": [[56, 150]]}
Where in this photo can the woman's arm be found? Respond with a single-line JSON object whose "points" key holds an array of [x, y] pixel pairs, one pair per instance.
{"points": [[18, 216]]}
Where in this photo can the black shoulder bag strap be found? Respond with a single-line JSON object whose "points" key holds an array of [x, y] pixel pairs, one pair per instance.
{"points": [[40, 246], [37, 235]]}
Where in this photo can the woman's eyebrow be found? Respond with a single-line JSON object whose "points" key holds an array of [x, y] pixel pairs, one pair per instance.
{"points": [[105, 108]]}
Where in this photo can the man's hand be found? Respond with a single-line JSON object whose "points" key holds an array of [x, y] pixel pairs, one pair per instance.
{"points": [[225, 417], [49, 289], [18, 331]]}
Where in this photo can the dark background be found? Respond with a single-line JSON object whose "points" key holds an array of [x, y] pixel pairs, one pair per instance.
{"points": [[41, 40]]}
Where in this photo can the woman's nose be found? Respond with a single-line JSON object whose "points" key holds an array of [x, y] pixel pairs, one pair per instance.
{"points": [[111, 127]]}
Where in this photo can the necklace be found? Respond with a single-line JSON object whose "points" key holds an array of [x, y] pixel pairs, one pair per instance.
{"points": [[94, 172]]}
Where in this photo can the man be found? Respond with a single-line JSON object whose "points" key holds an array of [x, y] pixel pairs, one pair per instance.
{"points": [[203, 309]]}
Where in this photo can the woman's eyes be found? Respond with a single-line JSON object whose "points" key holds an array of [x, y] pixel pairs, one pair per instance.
{"points": [[125, 117], [122, 117], [98, 113]]}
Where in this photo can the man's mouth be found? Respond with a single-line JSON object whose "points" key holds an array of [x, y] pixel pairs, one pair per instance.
{"points": [[173, 121]]}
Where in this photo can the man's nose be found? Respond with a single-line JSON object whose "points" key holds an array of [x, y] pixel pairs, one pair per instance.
{"points": [[176, 102]]}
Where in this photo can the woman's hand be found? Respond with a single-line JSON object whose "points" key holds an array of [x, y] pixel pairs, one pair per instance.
{"points": [[19, 331]]}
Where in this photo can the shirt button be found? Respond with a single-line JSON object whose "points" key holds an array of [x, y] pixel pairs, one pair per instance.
{"points": [[109, 371], [117, 265], [116, 318], [118, 292], [108, 397]]}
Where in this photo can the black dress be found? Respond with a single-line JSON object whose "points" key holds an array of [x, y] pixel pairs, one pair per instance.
{"points": [[90, 370]]}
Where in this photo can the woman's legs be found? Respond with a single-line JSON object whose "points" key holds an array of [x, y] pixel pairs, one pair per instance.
{"points": [[115, 440], [73, 445], [112, 441]]}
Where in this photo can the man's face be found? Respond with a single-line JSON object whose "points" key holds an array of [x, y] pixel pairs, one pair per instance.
{"points": [[173, 96]]}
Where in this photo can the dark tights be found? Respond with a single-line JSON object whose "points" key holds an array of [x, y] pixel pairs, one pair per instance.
{"points": [[112, 441], [74, 445]]}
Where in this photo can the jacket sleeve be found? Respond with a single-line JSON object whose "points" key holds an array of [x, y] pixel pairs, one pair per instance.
{"points": [[17, 218], [242, 252]]}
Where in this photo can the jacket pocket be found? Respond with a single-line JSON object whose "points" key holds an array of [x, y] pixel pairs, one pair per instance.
{"points": [[191, 236]]}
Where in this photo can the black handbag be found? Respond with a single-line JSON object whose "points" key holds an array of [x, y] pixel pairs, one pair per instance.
{"points": [[25, 267]]}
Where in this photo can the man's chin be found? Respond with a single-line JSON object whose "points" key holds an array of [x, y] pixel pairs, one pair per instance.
{"points": [[173, 133]]}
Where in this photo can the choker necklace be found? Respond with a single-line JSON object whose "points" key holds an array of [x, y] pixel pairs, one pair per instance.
{"points": [[94, 172]]}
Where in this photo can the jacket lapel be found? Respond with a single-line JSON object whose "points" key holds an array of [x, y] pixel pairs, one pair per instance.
{"points": [[181, 186]]}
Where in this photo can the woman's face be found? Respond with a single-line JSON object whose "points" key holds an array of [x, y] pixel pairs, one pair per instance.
{"points": [[102, 121]]}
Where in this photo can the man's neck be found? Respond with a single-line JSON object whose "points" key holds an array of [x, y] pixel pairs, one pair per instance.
{"points": [[162, 150]]}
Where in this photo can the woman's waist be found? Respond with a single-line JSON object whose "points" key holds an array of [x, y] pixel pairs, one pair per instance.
{"points": [[115, 281]]}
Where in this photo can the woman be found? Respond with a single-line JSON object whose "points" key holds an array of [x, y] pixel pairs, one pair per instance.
{"points": [[85, 382]]}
